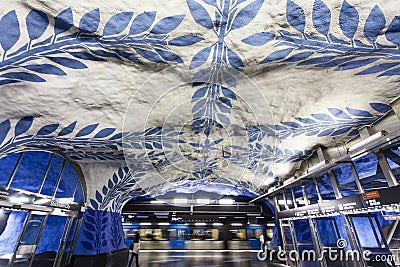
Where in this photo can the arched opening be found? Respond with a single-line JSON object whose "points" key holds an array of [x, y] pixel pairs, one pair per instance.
{"points": [[41, 198], [186, 224]]}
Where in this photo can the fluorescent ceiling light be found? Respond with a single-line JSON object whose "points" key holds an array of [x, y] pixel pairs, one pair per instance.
{"points": [[145, 223], [180, 201], [236, 224], [163, 223], [157, 202], [226, 201], [203, 201], [270, 224], [217, 224], [200, 224], [366, 141]]}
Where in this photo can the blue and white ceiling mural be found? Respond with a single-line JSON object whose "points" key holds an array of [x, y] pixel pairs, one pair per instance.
{"points": [[195, 92]]}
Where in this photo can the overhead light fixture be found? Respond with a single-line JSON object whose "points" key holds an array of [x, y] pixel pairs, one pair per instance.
{"points": [[270, 224], [217, 224], [203, 201], [368, 140], [236, 224], [200, 224], [226, 201], [163, 224], [318, 166], [161, 213], [157, 202], [145, 223], [180, 201]]}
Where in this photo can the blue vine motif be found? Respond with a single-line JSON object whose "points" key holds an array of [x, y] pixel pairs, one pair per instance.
{"points": [[213, 97], [136, 41], [336, 122], [94, 226], [325, 50], [104, 144], [119, 189]]}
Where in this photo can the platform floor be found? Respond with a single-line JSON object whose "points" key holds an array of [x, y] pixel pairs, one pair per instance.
{"points": [[200, 259]]}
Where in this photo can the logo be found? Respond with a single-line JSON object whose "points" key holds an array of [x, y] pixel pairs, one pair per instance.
{"points": [[341, 243]]}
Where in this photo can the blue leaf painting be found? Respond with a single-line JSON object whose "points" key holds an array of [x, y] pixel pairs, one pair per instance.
{"points": [[259, 39], [36, 23], [63, 21], [380, 107], [348, 20], [169, 56], [87, 130], [68, 62], [355, 64], [375, 24], [321, 17], [5, 127], [200, 58], [24, 76], [9, 30], [23, 125], [67, 130], [247, 14], [200, 14], [87, 245], [359, 113], [89, 22], [104, 132], [228, 93], [46, 69], [234, 59], [395, 71], [377, 68], [295, 16], [48, 129], [185, 40], [299, 56], [149, 55], [211, 2], [393, 31], [94, 204], [117, 23], [338, 113], [277, 55], [200, 93], [142, 22], [167, 24], [4, 82], [86, 56], [223, 119]]}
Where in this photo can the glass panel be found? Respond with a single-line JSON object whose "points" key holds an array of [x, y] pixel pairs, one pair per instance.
{"points": [[67, 183], [289, 198], [52, 176], [287, 234], [302, 231], [79, 198], [281, 201], [70, 242], [29, 241], [365, 232], [370, 173], [30, 173], [326, 188], [327, 232], [52, 233], [298, 194], [7, 165], [11, 225], [346, 181], [393, 157], [311, 191]]}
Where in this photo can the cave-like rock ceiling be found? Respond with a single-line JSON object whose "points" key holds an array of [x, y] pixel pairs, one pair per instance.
{"points": [[199, 91]]}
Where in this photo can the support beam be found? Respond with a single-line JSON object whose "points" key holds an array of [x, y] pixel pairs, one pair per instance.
{"points": [[390, 178]]}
